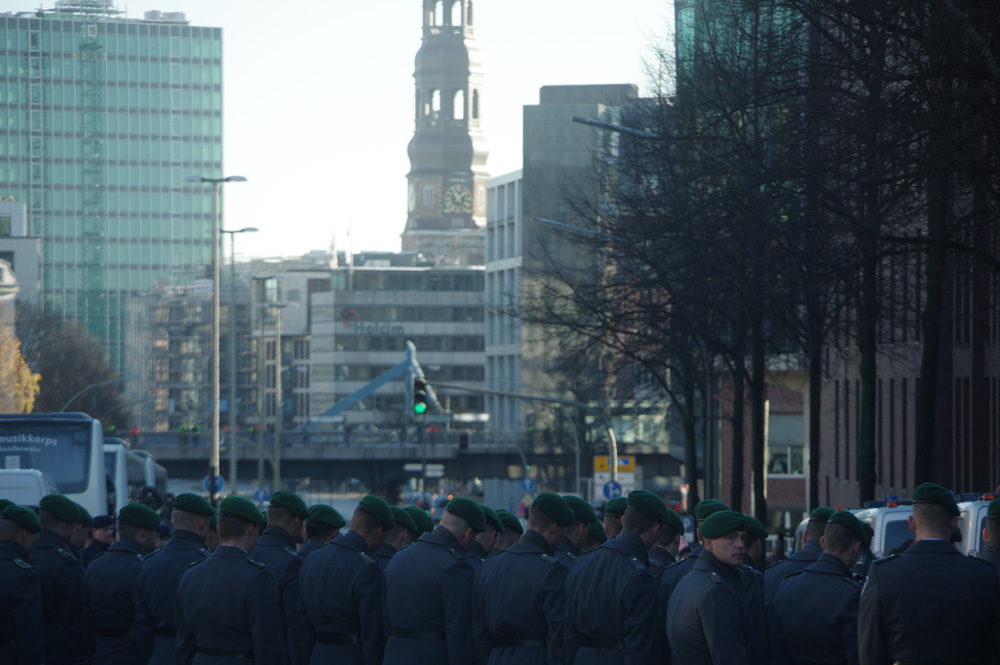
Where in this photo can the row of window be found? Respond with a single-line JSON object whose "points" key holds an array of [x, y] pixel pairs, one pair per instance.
{"points": [[360, 316], [146, 40], [444, 373], [118, 177], [132, 255], [459, 344], [131, 73], [418, 281], [136, 130], [429, 105], [137, 204]]}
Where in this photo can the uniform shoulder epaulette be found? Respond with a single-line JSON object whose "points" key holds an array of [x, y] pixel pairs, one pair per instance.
{"points": [[154, 553], [204, 552], [256, 563], [791, 575], [573, 557], [638, 565], [454, 553], [290, 551], [195, 563], [548, 558], [850, 580], [97, 556], [776, 564], [716, 578], [884, 559], [69, 555], [676, 563], [596, 549], [369, 561], [494, 553], [22, 563]]}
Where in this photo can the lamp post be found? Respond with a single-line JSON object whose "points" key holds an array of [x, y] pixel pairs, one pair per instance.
{"points": [[213, 464], [232, 351]]}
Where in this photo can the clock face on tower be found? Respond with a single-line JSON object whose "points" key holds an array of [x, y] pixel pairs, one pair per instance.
{"points": [[458, 198]]}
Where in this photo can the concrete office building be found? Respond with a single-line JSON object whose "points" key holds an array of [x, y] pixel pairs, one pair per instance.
{"points": [[102, 116]]}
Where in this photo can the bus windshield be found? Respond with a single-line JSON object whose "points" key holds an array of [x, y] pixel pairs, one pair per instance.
{"points": [[62, 452]]}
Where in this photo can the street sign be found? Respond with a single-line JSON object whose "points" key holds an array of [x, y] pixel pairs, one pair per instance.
{"points": [[528, 484], [688, 522], [261, 494], [626, 463], [612, 489], [219, 484]]}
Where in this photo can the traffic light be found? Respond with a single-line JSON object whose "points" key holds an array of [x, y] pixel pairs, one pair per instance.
{"points": [[419, 397]]}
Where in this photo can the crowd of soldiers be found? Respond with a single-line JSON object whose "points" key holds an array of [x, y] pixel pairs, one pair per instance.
{"points": [[297, 586]]}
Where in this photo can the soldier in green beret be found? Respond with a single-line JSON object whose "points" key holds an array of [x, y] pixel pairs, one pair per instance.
{"points": [[860, 569], [803, 558], [611, 591], [322, 526], [512, 530], [438, 629], [596, 536], [402, 534], [81, 532], [342, 592], [614, 509], [814, 615], [67, 634], [486, 541], [424, 522], [708, 620], [674, 572], [276, 549], [571, 545], [110, 581], [21, 633], [668, 543], [160, 574], [930, 603], [521, 592], [242, 623], [212, 540], [991, 534]]}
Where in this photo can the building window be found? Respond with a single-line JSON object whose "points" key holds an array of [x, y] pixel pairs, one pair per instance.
{"points": [[475, 105], [428, 195], [468, 18], [785, 444], [5, 229], [456, 12], [458, 105], [457, 223], [481, 193], [435, 104]]}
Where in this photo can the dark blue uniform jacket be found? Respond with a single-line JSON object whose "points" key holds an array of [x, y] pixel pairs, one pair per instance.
{"points": [[110, 581], [797, 562], [155, 590], [341, 603], [67, 632], [276, 549], [428, 591], [611, 601], [521, 603], [21, 640], [814, 615]]}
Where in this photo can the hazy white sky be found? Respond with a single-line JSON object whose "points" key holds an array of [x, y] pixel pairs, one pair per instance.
{"points": [[318, 99]]}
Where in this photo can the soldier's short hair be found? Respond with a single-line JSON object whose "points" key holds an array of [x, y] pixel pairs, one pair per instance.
{"points": [[184, 520], [128, 530], [992, 525], [815, 529], [538, 520], [318, 531], [838, 538], [638, 522], [231, 526], [363, 522], [933, 517]]}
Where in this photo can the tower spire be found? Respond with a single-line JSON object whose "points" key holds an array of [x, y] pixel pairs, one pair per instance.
{"points": [[447, 178]]}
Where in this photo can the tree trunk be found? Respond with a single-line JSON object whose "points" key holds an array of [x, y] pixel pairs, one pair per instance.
{"points": [[757, 416], [738, 421]]}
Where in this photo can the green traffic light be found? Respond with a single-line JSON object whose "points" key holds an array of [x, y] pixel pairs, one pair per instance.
{"points": [[420, 408]]}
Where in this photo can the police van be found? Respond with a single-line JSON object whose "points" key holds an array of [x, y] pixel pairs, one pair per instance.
{"points": [[888, 519], [973, 509]]}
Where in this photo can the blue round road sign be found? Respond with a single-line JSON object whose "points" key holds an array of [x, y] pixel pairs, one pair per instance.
{"points": [[219, 484], [612, 489], [261, 494], [528, 484]]}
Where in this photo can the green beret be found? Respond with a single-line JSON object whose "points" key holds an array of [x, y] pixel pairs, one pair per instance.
{"points": [[648, 503], [510, 521], [554, 507], [822, 514], [290, 502], [706, 507], [994, 508], [596, 532], [237, 506], [213, 521], [139, 515], [582, 511], [468, 510], [492, 519], [719, 524], [846, 518], [4, 503], [615, 507], [939, 496], [60, 507], [323, 515], [193, 503], [23, 516], [402, 518], [420, 517], [379, 509], [84, 516], [755, 527]]}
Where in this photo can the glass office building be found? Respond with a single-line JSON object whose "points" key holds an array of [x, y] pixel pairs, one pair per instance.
{"points": [[101, 117]]}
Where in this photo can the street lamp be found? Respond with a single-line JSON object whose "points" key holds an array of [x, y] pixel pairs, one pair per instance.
{"points": [[232, 351], [217, 183]]}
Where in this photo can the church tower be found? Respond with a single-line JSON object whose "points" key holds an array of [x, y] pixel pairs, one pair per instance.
{"points": [[447, 178]]}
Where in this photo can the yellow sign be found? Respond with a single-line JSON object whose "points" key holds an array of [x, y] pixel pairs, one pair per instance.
{"points": [[626, 463]]}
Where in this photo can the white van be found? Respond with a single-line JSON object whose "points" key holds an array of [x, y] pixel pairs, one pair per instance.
{"points": [[25, 487]]}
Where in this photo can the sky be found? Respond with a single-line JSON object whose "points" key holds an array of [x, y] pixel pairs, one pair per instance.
{"points": [[318, 100]]}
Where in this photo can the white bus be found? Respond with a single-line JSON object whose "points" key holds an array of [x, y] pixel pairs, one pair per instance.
{"points": [[126, 471], [67, 448], [156, 479]]}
